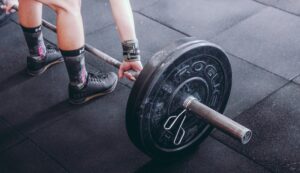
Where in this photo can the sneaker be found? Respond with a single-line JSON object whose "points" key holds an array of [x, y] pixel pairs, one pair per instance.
{"points": [[36, 67], [96, 85]]}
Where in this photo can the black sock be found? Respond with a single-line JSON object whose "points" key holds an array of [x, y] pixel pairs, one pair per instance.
{"points": [[35, 42], [75, 62]]}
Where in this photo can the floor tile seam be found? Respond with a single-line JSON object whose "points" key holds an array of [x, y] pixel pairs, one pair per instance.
{"points": [[237, 23], [296, 83], [257, 103], [38, 146], [15, 22], [242, 154], [295, 77], [259, 67], [264, 98], [53, 158], [99, 29], [164, 24], [14, 145], [272, 6]]}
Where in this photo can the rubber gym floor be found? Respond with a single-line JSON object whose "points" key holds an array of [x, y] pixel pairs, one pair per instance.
{"points": [[41, 132]]}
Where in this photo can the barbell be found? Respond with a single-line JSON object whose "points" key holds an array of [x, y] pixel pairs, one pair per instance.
{"points": [[178, 98]]}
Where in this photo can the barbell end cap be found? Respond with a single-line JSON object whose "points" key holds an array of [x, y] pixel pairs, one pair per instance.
{"points": [[188, 101], [246, 137]]}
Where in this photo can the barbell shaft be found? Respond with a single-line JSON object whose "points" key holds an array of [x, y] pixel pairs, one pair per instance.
{"points": [[218, 120], [99, 54]]}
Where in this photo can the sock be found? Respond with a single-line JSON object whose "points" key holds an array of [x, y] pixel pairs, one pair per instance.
{"points": [[35, 42], [75, 62]]}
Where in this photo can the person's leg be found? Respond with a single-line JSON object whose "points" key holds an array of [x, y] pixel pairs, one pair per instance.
{"points": [[123, 17], [70, 36], [83, 86], [30, 16]]}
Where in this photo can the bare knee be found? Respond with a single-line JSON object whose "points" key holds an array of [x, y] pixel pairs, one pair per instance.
{"points": [[72, 7]]}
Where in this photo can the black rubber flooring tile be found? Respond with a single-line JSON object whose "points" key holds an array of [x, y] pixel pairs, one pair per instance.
{"points": [[138, 5], [211, 156], [297, 80], [24, 99], [202, 18], [35, 102], [13, 53], [276, 131], [8, 136], [93, 138], [266, 40], [291, 6], [27, 158], [250, 84], [152, 38]]}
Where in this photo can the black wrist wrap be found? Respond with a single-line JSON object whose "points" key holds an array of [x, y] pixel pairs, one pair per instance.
{"points": [[131, 50]]}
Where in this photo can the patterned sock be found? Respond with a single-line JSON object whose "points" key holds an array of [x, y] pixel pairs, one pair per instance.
{"points": [[35, 42], [75, 62]]}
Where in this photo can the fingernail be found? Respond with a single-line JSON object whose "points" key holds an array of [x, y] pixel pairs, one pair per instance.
{"points": [[132, 78]]}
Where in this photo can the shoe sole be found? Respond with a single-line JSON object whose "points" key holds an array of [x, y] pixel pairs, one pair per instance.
{"points": [[84, 100], [42, 70]]}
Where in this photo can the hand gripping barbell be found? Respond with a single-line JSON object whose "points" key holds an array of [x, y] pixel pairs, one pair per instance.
{"points": [[178, 98]]}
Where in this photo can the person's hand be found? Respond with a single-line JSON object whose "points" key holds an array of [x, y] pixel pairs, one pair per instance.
{"points": [[8, 5], [130, 65]]}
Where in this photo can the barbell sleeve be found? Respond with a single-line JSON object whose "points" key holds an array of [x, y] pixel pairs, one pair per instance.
{"points": [[218, 120]]}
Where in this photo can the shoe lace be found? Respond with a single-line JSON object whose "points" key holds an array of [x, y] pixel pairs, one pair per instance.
{"points": [[98, 76], [51, 48]]}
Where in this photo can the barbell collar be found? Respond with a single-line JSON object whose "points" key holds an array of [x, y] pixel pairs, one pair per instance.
{"points": [[218, 120]]}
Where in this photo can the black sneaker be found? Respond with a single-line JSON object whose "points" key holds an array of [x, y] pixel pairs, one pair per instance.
{"points": [[97, 85], [36, 67]]}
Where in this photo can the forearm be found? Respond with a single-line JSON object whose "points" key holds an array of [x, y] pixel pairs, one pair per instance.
{"points": [[123, 17]]}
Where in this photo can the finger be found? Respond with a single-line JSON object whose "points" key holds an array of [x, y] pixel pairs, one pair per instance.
{"points": [[120, 72], [12, 11], [129, 76], [137, 68], [9, 8], [3, 6]]}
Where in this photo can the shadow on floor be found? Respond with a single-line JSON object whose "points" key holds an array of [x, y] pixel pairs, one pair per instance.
{"points": [[42, 118], [14, 80]]}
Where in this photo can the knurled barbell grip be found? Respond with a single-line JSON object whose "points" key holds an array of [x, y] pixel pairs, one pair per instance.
{"points": [[218, 120]]}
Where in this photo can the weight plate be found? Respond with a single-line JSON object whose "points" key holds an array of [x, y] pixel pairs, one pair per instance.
{"points": [[146, 75], [155, 119]]}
